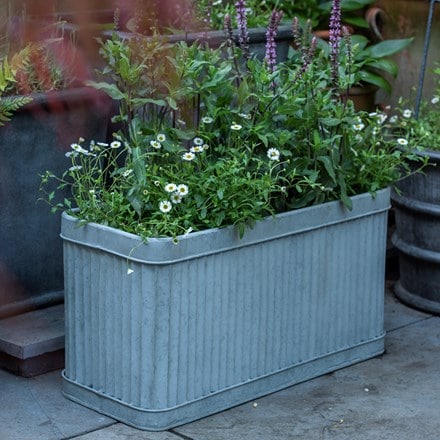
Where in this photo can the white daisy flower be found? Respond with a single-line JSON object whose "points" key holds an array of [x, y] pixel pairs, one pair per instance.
{"points": [[115, 144], [156, 144], [382, 117], [79, 149], [273, 154], [75, 168], [188, 156], [198, 141], [435, 100], [165, 206], [71, 154], [161, 137], [236, 127], [375, 130], [176, 198], [102, 144], [207, 120], [182, 190], [170, 187], [196, 149], [393, 119], [245, 115], [358, 127], [402, 141], [407, 113]]}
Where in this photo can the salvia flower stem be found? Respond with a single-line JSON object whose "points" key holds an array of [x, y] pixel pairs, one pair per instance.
{"points": [[335, 41], [243, 34]]}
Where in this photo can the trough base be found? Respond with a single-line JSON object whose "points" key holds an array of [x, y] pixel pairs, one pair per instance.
{"points": [[160, 419]]}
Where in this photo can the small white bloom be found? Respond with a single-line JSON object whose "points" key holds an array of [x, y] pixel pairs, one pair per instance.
{"points": [[157, 183], [245, 115], [91, 191], [102, 144], [71, 154], [165, 206], [358, 127], [115, 144], [126, 173], [402, 141], [196, 149], [375, 130], [435, 100], [79, 149], [407, 113], [382, 117], [75, 168], [176, 198], [188, 156], [207, 120], [170, 187], [182, 189], [188, 231], [161, 137], [198, 141], [205, 146], [283, 189], [236, 127], [273, 154], [156, 144], [129, 271], [393, 119]]}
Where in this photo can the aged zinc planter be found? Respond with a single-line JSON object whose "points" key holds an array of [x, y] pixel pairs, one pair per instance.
{"points": [[31, 270], [215, 321], [417, 237]]}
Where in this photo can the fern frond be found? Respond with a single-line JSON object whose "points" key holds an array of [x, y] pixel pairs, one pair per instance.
{"points": [[9, 105]]}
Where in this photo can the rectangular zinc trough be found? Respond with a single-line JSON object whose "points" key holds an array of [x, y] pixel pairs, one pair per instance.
{"points": [[214, 321]]}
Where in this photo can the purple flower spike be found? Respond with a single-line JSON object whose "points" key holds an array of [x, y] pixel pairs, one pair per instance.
{"points": [[243, 35], [335, 40], [271, 53]]}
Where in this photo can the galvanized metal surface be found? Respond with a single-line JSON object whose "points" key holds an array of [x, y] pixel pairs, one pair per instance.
{"points": [[204, 325]]}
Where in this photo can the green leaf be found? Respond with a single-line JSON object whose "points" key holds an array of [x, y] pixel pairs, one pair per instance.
{"points": [[374, 78], [111, 89], [388, 47], [356, 21], [328, 167], [220, 194], [385, 65]]}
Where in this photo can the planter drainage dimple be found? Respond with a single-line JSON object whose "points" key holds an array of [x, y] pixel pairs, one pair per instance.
{"points": [[215, 321]]}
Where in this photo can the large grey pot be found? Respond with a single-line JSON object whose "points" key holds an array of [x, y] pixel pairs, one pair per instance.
{"points": [[35, 140], [417, 237], [215, 321]]}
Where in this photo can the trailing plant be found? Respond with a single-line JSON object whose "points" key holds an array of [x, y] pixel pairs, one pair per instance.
{"points": [[420, 131], [216, 137]]}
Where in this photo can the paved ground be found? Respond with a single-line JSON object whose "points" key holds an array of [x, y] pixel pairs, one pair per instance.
{"points": [[395, 396]]}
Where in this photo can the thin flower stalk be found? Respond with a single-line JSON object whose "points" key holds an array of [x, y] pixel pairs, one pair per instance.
{"points": [[335, 41], [271, 52], [243, 34]]}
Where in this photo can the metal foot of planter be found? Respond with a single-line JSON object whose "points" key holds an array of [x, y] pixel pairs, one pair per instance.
{"points": [[216, 321]]}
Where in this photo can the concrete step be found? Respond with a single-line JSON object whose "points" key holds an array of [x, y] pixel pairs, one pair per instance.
{"points": [[33, 343]]}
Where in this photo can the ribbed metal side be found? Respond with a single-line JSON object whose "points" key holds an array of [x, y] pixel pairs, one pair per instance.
{"points": [[170, 334]]}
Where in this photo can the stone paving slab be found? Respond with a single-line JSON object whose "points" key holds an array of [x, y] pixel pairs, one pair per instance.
{"points": [[394, 396], [124, 432], [35, 409]]}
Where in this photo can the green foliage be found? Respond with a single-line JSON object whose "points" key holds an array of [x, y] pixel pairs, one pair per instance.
{"points": [[369, 63], [210, 140], [422, 132]]}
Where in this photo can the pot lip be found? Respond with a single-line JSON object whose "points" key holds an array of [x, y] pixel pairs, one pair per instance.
{"points": [[434, 155], [256, 35], [212, 241]]}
